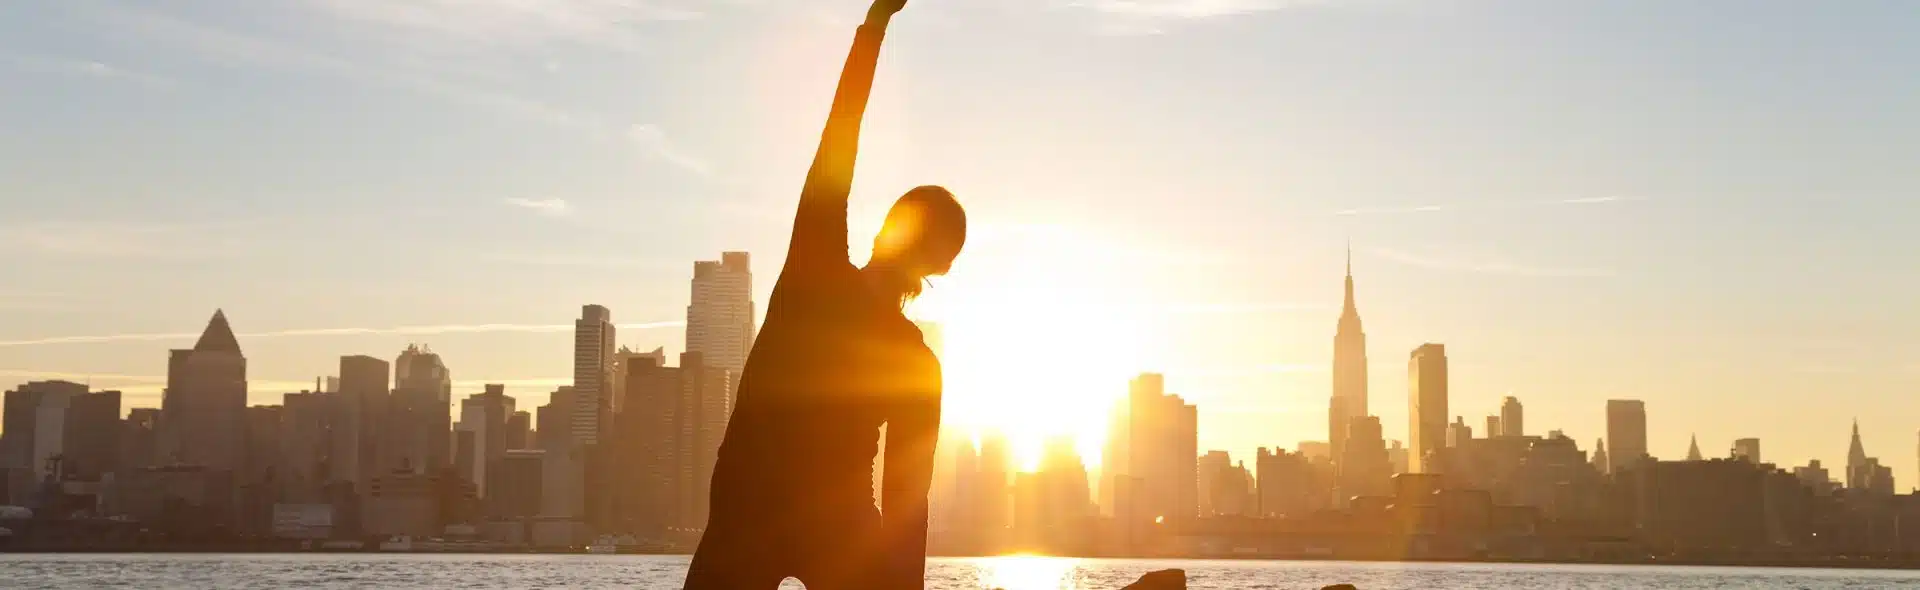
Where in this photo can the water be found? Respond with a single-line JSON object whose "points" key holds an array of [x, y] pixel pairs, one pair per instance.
{"points": [[327, 571]]}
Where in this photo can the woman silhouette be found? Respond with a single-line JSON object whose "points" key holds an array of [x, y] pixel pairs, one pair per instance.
{"points": [[792, 488]]}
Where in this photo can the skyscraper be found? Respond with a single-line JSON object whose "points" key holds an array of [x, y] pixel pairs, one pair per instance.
{"points": [[360, 407], [990, 499], [1161, 451], [1693, 449], [720, 324], [92, 435], [304, 470], [202, 409], [553, 423], [1427, 406], [1512, 422], [520, 430], [1600, 462], [1287, 484], [671, 436], [483, 418], [1459, 434], [21, 444], [36, 430], [1493, 426], [1747, 449], [1626, 433], [707, 401], [592, 372], [1364, 469], [1859, 473], [416, 432], [624, 358], [1349, 371]]}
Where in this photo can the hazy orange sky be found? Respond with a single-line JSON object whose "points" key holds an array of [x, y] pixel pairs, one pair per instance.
{"points": [[1705, 205]]}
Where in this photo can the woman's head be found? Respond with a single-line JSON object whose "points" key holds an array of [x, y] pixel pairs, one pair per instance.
{"points": [[922, 235]]}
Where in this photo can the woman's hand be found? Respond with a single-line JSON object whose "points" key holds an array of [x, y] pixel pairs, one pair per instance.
{"points": [[883, 10]]}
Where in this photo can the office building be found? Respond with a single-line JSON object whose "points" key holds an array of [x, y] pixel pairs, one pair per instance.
{"points": [[1626, 433], [720, 322], [627, 357], [416, 433], [1600, 463], [1458, 433], [513, 484], [592, 373], [520, 430], [304, 445], [1493, 427], [91, 436], [1286, 484], [139, 438], [671, 435], [1427, 406], [1747, 449], [482, 433], [1349, 399], [990, 505], [1512, 421], [1365, 469], [360, 406], [201, 408], [1815, 477], [1160, 451], [35, 421]]}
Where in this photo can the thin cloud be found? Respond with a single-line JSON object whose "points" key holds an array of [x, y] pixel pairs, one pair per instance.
{"points": [[84, 69], [1438, 207], [122, 239], [547, 207], [1249, 308], [655, 144], [1252, 370], [399, 330], [588, 261], [1391, 210], [1599, 200], [233, 47], [1485, 266], [1184, 9], [614, 24]]}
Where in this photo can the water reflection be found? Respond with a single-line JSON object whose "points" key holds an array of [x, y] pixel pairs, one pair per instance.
{"points": [[1027, 572]]}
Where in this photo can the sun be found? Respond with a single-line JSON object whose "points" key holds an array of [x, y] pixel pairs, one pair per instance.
{"points": [[1033, 344]]}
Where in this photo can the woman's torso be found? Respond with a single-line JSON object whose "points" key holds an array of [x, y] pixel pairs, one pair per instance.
{"points": [[827, 369]]}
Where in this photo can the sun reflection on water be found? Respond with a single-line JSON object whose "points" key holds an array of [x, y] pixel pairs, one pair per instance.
{"points": [[1027, 572]]}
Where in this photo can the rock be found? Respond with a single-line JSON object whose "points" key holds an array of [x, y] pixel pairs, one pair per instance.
{"points": [[1161, 580], [1340, 587]]}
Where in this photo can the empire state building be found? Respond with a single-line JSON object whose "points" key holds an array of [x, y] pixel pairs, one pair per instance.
{"points": [[1349, 372]]}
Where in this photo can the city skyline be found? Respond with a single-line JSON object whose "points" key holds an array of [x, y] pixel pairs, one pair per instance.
{"points": [[1610, 227], [218, 336]]}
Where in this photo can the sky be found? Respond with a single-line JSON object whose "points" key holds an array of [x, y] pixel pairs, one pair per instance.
{"points": [[1706, 205]]}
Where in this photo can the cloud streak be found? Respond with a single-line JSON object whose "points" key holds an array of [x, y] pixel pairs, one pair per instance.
{"points": [[1485, 266], [123, 239], [613, 24], [1439, 207], [84, 69], [655, 145], [1184, 9], [315, 332], [547, 207], [265, 52]]}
